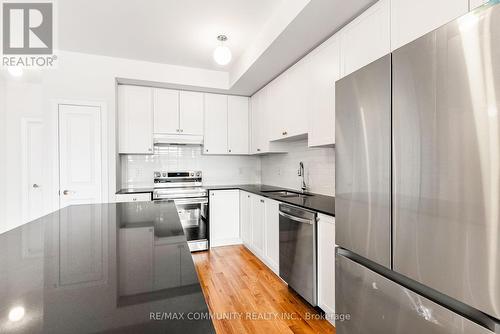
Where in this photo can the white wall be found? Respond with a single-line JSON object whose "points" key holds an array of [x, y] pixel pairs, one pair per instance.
{"points": [[137, 170], [77, 77], [319, 165]]}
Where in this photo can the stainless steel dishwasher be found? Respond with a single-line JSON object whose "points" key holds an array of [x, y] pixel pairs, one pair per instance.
{"points": [[298, 250]]}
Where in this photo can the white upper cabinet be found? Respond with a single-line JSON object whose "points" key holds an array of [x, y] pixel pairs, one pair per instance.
{"points": [[191, 113], [135, 120], [166, 111], [412, 19], [226, 124], [257, 134], [473, 4], [323, 70], [237, 124], [366, 38], [287, 104], [178, 112], [215, 124]]}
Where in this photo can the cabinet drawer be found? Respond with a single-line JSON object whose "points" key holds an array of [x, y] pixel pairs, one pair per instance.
{"points": [[124, 198]]}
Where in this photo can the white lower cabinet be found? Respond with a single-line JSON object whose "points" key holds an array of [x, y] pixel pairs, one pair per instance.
{"points": [[224, 213], [245, 218], [259, 221], [125, 198], [326, 265], [272, 235], [258, 217]]}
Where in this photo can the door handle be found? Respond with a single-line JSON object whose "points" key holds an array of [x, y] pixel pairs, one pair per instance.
{"points": [[296, 219]]}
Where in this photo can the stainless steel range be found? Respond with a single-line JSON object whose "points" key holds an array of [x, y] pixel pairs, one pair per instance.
{"points": [[185, 189]]}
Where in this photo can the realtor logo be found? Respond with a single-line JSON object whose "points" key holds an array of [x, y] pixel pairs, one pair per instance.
{"points": [[28, 34], [27, 28]]}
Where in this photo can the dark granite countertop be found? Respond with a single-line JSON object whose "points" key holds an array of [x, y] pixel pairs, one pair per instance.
{"points": [[113, 268], [316, 202]]}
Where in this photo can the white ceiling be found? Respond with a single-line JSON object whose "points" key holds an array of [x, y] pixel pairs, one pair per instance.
{"points": [[265, 36], [179, 32]]}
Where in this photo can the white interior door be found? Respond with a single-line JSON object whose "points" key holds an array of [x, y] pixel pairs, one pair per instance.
{"points": [[79, 154], [32, 155]]}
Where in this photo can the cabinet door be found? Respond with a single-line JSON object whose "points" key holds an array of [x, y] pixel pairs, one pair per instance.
{"points": [[215, 141], [245, 218], [166, 111], [258, 224], [135, 119], [255, 128], [296, 120], [324, 70], [276, 105], [326, 264], [412, 19], [272, 233], [366, 39], [224, 207], [191, 113], [237, 124]]}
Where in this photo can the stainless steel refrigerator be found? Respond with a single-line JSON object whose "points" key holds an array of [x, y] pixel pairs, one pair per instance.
{"points": [[418, 185]]}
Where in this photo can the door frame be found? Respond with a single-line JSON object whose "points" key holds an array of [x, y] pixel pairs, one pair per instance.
{"points": [[54, 122]]}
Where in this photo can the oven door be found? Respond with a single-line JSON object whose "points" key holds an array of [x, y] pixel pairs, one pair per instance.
{"points": [[193, 215]]}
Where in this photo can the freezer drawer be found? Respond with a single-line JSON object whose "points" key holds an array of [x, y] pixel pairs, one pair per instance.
{"points": [[377, 305], [363, 162], [446, 175]]}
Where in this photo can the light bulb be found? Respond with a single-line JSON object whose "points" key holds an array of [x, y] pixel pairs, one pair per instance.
{"points": [[15, 71], [16, 313], [222, 55]]}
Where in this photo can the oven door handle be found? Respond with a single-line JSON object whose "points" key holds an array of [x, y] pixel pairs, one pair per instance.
{"points": [[199, 200]]}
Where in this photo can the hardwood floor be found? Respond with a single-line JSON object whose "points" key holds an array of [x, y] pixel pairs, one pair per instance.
{"points": [[247, 297]]}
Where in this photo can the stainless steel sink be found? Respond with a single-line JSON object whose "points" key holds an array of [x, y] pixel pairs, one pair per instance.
{"points": [[286, 194]]}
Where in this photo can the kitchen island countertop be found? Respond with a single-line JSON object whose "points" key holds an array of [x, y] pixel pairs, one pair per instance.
{"points": [[75, 270]]}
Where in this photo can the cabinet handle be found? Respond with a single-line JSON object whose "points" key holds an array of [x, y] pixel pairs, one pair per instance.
{"points": [[285, 133], [36, 186], [134, 199], [258, 150], [262, 201], [229, 151], [177, 130], [206, 150], [182, 130], [150, 149]]}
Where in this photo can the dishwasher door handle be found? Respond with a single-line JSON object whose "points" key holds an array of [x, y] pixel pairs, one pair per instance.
{"points": [[296, 219]]}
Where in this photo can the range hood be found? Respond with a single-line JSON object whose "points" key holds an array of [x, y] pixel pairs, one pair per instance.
{"points": [[160, 139]]}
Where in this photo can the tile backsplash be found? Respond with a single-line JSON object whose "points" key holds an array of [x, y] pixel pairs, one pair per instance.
{"points": [[319, 166], [137, 170], [274, 169]]}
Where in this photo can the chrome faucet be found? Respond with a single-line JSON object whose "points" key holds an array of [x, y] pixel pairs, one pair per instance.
{"points": [[301, 173]]}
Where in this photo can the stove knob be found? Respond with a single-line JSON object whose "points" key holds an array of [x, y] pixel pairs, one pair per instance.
{"points": [[192, 174], [164, 174], [198, 174], [157, 174]]}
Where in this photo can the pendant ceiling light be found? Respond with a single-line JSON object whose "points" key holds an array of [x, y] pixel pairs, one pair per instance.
{"points": [[222, 54]]}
